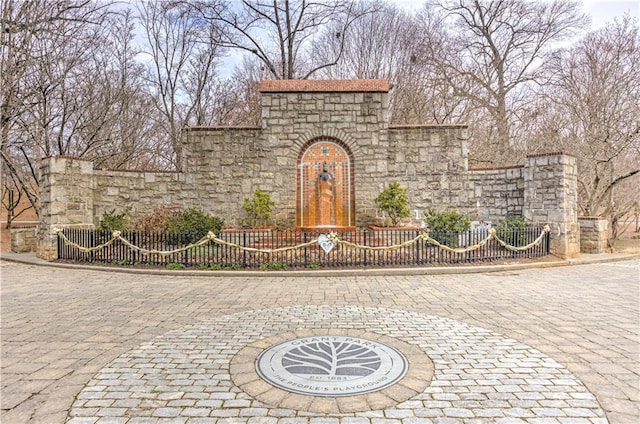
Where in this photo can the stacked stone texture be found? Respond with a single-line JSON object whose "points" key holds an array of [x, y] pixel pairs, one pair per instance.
{"points": [[142, 191], [66, 200], [551, 196], [23, 240], [593, 234]]}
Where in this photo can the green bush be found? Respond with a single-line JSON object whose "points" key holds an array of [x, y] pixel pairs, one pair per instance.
{"points": [[258, 209], [194, 223], [509, 230], [112, 221], [445, 226], [273, 266], [394, 201]]}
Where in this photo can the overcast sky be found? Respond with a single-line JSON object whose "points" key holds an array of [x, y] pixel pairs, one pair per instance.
{"points": [[601, 11]]}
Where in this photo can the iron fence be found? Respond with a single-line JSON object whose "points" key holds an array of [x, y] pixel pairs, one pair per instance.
{"points": [[311, 256]]}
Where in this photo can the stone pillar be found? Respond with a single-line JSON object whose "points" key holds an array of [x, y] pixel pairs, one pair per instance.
{"points": [[593, 234], [66, 200], [23, 240], [550, 197]]}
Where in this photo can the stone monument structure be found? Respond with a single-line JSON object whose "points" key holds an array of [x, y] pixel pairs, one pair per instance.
{"points": [[324, 150]]}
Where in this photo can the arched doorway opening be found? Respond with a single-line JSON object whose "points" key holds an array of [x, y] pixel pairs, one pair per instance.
{"points": [[325, 192]]}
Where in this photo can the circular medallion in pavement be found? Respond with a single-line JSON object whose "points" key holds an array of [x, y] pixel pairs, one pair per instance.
{"points": [[331, 365], [206, 372]]}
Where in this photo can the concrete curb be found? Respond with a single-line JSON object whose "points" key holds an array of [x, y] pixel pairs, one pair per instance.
{"points": [[32, 259]]}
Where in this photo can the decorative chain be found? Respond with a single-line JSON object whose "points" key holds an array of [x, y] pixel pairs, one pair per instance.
{"points": [[328, 242]]}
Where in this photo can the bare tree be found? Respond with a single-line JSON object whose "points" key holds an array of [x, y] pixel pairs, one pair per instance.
{"points": [[184, 51], [494, 53], [423, 93], [280, 34], [239, 100], [44, 42], [128, 138], [387, 43], [592, 110], [373, 46]]}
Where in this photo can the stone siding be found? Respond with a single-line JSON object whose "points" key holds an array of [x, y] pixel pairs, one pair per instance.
{"points": [[593, 235], [223, 166], [359, 120]]}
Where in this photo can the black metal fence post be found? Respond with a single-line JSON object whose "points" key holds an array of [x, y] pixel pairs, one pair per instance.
{"points": [[304, 238], [244, 252]]}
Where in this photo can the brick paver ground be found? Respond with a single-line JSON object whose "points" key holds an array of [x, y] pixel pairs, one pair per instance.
{"points": [[577, 330]]}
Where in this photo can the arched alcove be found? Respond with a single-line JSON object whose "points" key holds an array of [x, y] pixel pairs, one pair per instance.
{"points": [[325, 191]]}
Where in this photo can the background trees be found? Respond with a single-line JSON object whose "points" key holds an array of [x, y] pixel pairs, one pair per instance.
{"points": [[116, 83], [46, 47], [183, 52], [494, 55], [281, 34], [591, 108]]}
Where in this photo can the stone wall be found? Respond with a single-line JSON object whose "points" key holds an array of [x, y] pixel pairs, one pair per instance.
{"points": [[225, 165], [142, 191], [292, 118], [430, 161], [496, 193], [593, 234], [228, 164]]}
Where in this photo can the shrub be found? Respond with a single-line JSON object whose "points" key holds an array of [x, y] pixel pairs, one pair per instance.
{"points": [[194, 223], [445, 226], [112, 221], [156, 220], [273, 266], [394, 201], [258, 209], [509, 230]]}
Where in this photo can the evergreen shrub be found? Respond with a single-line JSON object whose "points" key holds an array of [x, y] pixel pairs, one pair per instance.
{"points": [[446, 226]]}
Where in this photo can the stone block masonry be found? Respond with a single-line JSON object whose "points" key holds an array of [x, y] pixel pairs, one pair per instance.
{"points": [[66, 200], [23, 240], [593, 234], [224, 165], [551, 196], [142, 191]]}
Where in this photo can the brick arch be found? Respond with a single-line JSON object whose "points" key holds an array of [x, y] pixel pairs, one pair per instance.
{"points": [[332, 133], [325, 191]]}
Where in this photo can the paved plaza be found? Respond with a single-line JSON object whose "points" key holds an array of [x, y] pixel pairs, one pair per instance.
{"points": [[537, 345]]}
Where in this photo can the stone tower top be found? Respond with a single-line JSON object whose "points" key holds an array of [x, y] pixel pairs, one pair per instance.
{"points": [[325, 86]]}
